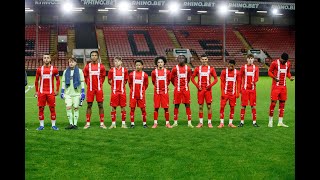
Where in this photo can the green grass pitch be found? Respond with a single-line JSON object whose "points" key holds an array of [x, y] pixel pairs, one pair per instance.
{"points": [[178, 153]]}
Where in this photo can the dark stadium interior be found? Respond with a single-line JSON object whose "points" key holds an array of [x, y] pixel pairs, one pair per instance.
{"points": [[145, 34]]}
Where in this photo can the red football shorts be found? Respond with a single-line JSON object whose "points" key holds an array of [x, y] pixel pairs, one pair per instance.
{"points": [[228, 97], [95, 93], [141, 103], [181, 96], [248, 96], [204, 95], [46, 99], [161, 100], [278, 93], [118, 99]]}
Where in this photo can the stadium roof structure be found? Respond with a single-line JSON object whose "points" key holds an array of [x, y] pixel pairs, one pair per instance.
{"points": [[285, 5]]}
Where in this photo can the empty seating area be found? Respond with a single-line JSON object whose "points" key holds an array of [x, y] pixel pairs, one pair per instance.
{"points": [[135, 42], [209, 40], [30, 44], [145, 42], [200, 39], [63, 29], [271, 39], [44, 32], [61, 62]]}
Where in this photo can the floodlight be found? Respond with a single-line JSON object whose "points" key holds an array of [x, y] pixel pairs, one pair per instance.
{"points": [[274, 11], [173, 7], [124, 6], [67, 7], [223, 9]]}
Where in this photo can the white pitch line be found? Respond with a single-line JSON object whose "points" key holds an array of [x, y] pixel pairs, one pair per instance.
{"points": [[29, 87]]}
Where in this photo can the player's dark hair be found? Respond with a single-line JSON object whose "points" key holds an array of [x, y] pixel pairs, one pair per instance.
{"points": [[232, 62], [138, 60], [73, 59], [250, 56], [284, 56], [94, 52], [203, 55], [185, 58], [160, 57]]}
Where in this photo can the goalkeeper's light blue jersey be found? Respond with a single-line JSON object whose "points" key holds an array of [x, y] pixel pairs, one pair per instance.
{"points": [[71, 91]]}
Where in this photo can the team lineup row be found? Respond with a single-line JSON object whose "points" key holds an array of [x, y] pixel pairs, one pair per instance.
{"points": [[233, 82]]}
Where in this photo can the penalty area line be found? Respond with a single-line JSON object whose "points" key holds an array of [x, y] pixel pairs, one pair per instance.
{"points": [[29, 87]]}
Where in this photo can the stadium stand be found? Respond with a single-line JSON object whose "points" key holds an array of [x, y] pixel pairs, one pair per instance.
{"points": [[136, 42], [150, 34], [273, 40], [30, 44], [146, 42], [209, 40]]}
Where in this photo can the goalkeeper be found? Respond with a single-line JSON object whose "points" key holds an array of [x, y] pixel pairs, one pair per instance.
{"points": [[72, 91]]}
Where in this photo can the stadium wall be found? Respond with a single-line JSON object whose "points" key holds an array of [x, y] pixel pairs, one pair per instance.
{"points": [[161, 18]]}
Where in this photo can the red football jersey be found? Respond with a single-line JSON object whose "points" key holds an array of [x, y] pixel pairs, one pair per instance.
{"points": [[230, 81], [46, 75], [180, 77], [119, 78], [161, 80], [138, 83], [204, 74], [94, 75], [249, 76], [280, 71]]}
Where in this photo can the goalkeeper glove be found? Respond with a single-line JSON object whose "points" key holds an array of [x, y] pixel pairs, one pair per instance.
{"points": [[62, 94], [83, 95]]}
